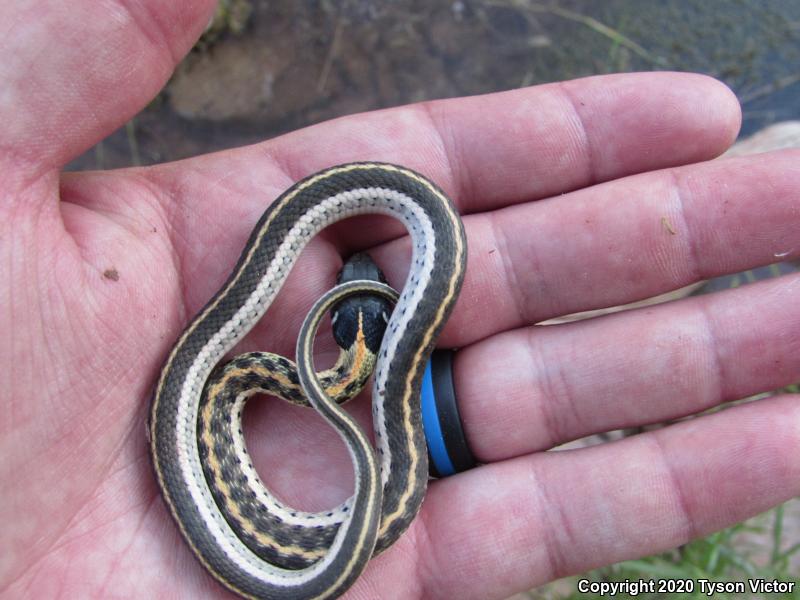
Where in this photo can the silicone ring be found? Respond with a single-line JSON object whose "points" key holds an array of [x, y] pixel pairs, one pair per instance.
{"points": [[448, 449], [437, 452]]}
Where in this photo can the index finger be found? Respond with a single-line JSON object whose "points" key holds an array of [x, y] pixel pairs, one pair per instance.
{"points": [[499, 149]]}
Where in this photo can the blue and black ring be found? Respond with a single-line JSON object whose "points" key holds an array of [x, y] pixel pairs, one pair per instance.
{"points": [[448, 451]]}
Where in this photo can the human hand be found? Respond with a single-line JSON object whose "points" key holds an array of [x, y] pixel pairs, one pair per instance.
{"points": [[565, 189]]}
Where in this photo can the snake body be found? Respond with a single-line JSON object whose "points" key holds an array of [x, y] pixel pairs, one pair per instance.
{"points": [[250, 546]]}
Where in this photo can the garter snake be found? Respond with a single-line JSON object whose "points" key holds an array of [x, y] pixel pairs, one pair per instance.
{"points": [[390, 484]]}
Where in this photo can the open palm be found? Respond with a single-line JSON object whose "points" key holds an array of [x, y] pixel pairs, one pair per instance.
{"points": [[576, 196]]}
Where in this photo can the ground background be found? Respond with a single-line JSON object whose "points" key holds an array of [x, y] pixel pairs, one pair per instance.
{"points": [[268, 67]]}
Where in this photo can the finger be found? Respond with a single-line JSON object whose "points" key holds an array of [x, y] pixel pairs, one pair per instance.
{"points": [[514, 525], [620, 242], [73, 72], [498, 149], [536, 388], [486, 151]]}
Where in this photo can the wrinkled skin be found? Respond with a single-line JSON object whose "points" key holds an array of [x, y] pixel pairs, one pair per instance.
{"points": [[564, 188]]}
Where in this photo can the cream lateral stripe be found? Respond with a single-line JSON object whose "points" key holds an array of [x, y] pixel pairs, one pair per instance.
{"points": [[291, 517], [440, 317], [204, 501], [265, 227], [325, 198], [233, 508], [319, 399], [351, 361], [225, 338]]}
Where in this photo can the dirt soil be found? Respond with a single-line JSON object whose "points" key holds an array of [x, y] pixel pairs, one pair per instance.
{"points": [[268, 67]]}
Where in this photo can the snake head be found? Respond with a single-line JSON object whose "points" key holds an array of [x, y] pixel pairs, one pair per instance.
{"points": [[365, 312]]}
